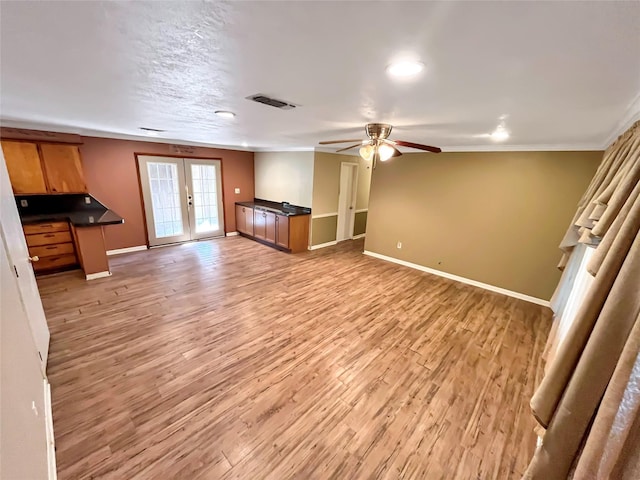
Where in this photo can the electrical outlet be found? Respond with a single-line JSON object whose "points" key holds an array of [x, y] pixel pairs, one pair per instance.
{"points": [[399, 245], [237, 190], [87, 200], [24, 203]]}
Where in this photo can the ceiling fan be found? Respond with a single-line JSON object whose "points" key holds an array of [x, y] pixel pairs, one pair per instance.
{"points": [[378, 146]]}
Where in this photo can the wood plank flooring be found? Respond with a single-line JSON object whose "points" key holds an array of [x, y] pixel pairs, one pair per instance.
{"points": [[226, 359]]}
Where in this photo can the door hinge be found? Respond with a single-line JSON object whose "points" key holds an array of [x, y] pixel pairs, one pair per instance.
{"points": [[15, 269]]}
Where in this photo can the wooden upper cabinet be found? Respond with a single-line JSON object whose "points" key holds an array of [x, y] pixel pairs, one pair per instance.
{"points": [[24, 166], [63, 168]]}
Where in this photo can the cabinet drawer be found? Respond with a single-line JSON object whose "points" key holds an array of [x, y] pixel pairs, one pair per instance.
{"points": [[48, 238], [51, 263], [51, 250], [46, 227]]}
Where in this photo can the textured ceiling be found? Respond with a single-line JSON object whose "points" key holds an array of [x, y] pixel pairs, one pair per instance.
{"points": [[566, 74]]}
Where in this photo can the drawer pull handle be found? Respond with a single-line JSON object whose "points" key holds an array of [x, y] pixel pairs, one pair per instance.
{"points": [[35, 258], [49, 235]]}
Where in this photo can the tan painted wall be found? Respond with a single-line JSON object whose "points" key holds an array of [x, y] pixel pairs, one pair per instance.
{"points": [[284, 177], [493, 217]]}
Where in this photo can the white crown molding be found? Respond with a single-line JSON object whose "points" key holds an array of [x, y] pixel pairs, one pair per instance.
{"points": [[117, 136], [450, 276], [631, 115], [522, 148]]}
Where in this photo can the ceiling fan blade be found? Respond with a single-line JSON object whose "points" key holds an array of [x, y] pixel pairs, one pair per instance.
{"points": [[329, 142], [349, 148], [417, 146]]}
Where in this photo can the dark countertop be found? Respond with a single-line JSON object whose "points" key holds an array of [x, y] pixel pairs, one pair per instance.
{"points": [[276, 207], [85, 218]]}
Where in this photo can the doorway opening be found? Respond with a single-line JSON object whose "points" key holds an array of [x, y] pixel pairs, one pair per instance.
{"points": [[182, 198], [347, 200]]}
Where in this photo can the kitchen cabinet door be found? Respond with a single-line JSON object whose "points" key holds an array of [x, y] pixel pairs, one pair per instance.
{"points": [[241, 219], [24, 166], [248, 214], [270, 227], [63, 168], [260, 224], [282, 231]]}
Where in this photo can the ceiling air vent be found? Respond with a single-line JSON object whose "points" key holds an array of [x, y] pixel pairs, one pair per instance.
{"points": [[272, 102]]}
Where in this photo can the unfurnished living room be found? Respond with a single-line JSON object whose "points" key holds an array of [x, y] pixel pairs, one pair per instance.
{"points": [[320, 240]]}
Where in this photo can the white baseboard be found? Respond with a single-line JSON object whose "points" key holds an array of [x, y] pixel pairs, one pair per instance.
{"points": [[356, 237], [93, 276], [362, 210], [118, 251], [486, 286], [232, 234], [322, 245]]}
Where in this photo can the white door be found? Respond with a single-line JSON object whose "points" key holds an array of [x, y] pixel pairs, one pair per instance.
{"points": [[204, 199], [347, 200], [12, 237], [182, 198], [24, 450]]}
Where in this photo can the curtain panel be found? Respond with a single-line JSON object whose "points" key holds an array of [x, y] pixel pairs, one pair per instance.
{"points": [[588, 400]]}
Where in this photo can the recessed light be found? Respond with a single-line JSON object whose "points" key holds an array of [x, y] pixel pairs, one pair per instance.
{"points": [[500, 134], [405, 69], [152, 132], [224, 114]]}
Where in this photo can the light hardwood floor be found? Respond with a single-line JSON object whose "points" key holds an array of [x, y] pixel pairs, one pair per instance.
{"points": [[227, 359]]}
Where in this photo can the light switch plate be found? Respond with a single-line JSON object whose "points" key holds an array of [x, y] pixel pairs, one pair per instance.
{"points": [[24, 203], [237, 190]]}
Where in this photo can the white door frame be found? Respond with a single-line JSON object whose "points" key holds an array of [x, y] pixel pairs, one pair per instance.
{"points": [[347, 200], [15, 244]]}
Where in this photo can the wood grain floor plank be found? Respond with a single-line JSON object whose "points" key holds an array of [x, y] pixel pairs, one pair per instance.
{"points": [[227, 360]]}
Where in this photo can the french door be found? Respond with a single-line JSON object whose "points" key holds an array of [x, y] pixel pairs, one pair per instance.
{"points": [[182, 198]]}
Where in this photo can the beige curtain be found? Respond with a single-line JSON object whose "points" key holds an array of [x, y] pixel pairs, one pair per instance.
{"points": [[591, 429]]}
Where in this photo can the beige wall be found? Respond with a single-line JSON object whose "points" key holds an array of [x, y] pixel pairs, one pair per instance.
{"points": [[496, 218], [284, 177]]}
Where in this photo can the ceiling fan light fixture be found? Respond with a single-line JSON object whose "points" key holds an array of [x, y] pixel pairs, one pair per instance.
{"points": [[385, 151], [367, 151], [405, 69]]}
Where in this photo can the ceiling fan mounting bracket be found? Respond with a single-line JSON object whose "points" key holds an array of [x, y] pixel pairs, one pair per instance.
{"points": [[378, 131]]}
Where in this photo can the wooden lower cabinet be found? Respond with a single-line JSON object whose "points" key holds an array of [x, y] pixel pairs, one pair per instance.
{"points": [[52, 244], [290, 233], [282, 231], [244, 219]]}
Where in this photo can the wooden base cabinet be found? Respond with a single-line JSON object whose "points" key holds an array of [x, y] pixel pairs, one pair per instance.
{"points": [[244, 220], [289, 233], [51, 246]]}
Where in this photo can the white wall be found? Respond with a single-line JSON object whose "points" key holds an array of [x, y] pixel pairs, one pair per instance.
{"points": [[284, 177]]}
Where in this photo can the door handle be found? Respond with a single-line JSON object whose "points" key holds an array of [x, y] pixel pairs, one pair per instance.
{"points": [[35, 258]]}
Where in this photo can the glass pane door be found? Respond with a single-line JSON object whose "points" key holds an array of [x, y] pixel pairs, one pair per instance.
{"points": [[164, 193], [205, 198]]}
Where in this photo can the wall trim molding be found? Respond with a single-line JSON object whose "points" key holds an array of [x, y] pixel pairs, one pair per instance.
{"points": [[94, 276], [356, 237], [118, 251], [324, 215], [231, 234], [362, 210], [450, 276], [631, 115], [323, 245]]}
